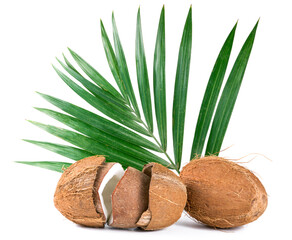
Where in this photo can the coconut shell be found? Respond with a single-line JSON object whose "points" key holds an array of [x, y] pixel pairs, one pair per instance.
{"points": [[130, 198], [222, 193], [167, 198], [76, 195]]}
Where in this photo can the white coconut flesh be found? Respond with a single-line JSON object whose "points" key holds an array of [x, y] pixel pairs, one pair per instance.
{"points": [[110, 221], [107, 187]]}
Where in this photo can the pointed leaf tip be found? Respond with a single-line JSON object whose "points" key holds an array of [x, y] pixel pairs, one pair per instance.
{"points": [[211, 95], [142, 75], [159, 88], [180, 89], [123, 68], [138, 11], [229, 96]]}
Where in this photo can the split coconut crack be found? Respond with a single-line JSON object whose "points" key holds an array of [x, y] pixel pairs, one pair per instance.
{"points": [[107, 186], [93, 192]]}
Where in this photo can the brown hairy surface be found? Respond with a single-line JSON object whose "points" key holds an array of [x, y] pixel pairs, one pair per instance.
{"points": [[222, 193], [76, 193], [167, 198], [130, 198]]}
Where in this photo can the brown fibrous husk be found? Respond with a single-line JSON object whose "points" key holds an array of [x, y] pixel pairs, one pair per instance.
{"points": [[221, 193], [167, 198], [130, 198], [76, 195]]}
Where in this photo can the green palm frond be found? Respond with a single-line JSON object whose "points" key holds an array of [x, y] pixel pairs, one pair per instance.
{"points": [[66, 151], [95, 90], [95, 75], [229, 96], [181, 89], [54, 166], [211, 95], [113, 63], [142, 75], [104, 138], [159, 81], [101, 123], [123, 135], [121, 59], [91, 145]]}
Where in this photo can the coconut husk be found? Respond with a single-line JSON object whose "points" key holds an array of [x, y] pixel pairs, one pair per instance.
{"points": [[167, 198], [222, 193], [76, 194], [130, 199]]}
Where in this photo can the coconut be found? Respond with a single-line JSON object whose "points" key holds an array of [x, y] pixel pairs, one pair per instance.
{"points": [[167, 198], [91, 193], [129, 199], [221, 193], [81, 193]]}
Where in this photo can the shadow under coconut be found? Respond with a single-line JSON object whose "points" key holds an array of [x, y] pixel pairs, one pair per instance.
{"points": [[187, 221], [115, 229], [132, 229]]}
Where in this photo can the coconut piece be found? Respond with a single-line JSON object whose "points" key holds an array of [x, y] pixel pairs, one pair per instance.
{"points": [[144, 219], [129, 199], [167, 198], [77, 196], [107, 186], [222, 193], [75, 191]]}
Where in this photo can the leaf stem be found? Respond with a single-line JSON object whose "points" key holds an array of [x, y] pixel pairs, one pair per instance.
{"points": [[165, 153], [160, 146], [155, 139]]}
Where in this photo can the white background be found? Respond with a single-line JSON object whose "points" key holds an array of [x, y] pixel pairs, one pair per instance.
{"points": [[34, 32]]}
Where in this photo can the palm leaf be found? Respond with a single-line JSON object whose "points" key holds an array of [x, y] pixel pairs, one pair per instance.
{"points": [[180, 90], [159, 82], [54, 166], [66, 151], [104, 138], [92, 146], [101, 123], [95, 135], [229, 96], [112, 61], [142, 75], [108, 109], [69, 64], [211, 95], [94, 89], [120, 56], [95, 76]]}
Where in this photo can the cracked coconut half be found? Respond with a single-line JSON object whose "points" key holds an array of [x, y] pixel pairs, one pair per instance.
{"points": [[92, 193]]}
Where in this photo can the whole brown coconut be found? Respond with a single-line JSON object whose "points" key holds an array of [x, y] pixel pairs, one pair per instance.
{"points": [[76, 194], [221, 193], [167, 198]]}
